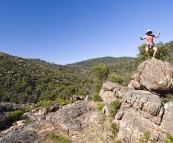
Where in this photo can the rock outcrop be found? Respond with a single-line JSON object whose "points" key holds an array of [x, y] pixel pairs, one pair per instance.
{"points": [[77, 120], [154, 75], [140, 112]]}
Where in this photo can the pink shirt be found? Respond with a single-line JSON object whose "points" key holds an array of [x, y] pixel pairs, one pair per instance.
{"points": [[150, 39]]}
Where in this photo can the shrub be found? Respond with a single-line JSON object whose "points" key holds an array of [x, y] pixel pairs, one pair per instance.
{"points": [[100, 106], [16, 115], [169, 139], [62, 101], [167, 98], [164, 100], [100, 72], [58, 138], [113, 109], [116, 78], [96, 96], [114, 128], [43, 104], [145, 138], [161, 54]]}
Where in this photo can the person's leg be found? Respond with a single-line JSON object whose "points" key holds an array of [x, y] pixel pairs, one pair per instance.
{"points": [[155, 51], [147, 49]]}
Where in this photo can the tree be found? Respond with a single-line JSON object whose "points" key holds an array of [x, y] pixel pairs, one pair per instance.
{"points": [[100, 72], [161, 54], [169, 56], [116, 78]]}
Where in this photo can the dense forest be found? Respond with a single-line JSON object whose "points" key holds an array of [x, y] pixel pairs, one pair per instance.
{"points": [[31, 80]]}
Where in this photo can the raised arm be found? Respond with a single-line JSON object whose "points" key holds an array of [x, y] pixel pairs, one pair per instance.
{"points": [[142, 38], [156, 36]]}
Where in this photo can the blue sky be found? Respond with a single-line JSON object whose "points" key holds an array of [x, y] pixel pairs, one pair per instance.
{"points": [[69, 31]]}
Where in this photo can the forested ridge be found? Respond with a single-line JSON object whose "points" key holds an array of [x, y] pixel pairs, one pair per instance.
{"points": [[105, 60], [31, 80]]}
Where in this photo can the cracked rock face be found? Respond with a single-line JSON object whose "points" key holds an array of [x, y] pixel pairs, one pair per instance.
{"points": [[21, 136], [154, 75], [168, 117], [140, 112], [146, 103], [77, 116], [132, 127], [73, 119], [111, 91]]}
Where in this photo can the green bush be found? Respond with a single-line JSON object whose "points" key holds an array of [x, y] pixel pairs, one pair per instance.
{"points": [[58, 138], [161, 54], [100, 106], [164, 100], [116, 78], [167, 98], [145, 138], [43, 104], [16, 115], [169, 139], [113, 109], [100, 72], [61, 101], [96, 96], [114, 128], [97, 87]]}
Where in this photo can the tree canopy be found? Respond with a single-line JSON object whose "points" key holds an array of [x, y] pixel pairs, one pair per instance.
{"points": [[100, 72], [161, 54]]}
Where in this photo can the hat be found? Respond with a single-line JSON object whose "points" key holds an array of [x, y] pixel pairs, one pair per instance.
{"points": [[149, 31]]}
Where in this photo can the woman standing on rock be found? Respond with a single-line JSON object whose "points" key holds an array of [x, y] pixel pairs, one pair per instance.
{"points": [[150, 43]]}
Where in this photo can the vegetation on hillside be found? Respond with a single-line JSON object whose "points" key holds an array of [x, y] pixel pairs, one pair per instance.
{"points": [[32, 80], [105, 60]]}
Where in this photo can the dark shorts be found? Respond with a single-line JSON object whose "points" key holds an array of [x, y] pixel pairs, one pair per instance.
{"points": [[150, 45]]}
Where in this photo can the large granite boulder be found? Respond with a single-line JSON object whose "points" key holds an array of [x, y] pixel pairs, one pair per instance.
{"points": [[154, 75]]}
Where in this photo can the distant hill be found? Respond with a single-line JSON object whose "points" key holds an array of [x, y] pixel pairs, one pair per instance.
{"points": [[31, 80], [105, 60]]}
